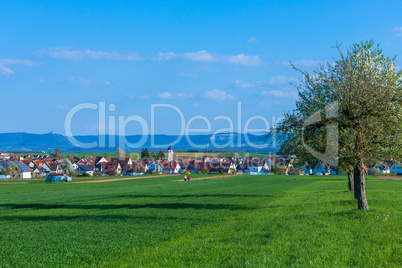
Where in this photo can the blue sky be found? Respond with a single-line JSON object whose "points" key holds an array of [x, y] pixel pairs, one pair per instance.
{"points": [[201, 56]]}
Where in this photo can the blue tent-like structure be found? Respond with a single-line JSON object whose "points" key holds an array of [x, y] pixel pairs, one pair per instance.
{"points": [[57, 178]]}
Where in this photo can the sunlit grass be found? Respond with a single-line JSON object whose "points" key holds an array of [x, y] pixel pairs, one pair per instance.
{"points": [[261, 221]]}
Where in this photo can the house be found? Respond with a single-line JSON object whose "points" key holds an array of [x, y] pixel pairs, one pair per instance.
{"points": [[171, 167], [49, 167], [38, 172], [4, 164], [85, 169], [137, 168], [155, 165], [111, 168], [305, 169], [99, 160], [216, 167], [396, 168], [383, 167], [25, 171], [193, 166], [256, 170], [322, 168]]}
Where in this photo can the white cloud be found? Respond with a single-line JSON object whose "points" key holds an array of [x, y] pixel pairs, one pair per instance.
{"points": [[198, 56], [165, 56], [18, 62], [193, 56], [165, 95], [67, 53], [281, 79], [218, 95], [279, 93], [82, 81], [304, 63], [275, 80], [204, 56], [196, 105], [144, 97], [4, 70], [245, 84], [61, 107], [398, 30], [252, 40], [242, 59], [168, 95]]}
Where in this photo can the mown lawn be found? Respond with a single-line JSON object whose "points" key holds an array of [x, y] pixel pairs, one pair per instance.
{"points": [[258, 221]]}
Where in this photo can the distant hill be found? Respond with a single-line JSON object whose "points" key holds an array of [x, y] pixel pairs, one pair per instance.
{"points": [[42, 142]]}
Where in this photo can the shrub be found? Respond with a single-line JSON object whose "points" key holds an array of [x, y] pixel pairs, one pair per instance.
{"points": [[204, 171], [278, 169], [373, 171]]}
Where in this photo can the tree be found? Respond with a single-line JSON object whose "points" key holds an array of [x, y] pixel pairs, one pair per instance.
{"points": [[67, 168], [13, 170], [161, 155], [121, 154], [351, 109], [134, 156], [153, 155], [230, 154], [144, 153], [57, 152]]}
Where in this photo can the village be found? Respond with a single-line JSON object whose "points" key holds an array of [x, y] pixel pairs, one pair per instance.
{"points": [[37, 166]]}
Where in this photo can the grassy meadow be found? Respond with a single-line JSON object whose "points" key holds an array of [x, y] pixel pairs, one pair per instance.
{"points": [[238, 221]]}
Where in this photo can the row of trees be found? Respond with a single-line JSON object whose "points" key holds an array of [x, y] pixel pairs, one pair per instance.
{"points": [[349, 114], [145, 154]]}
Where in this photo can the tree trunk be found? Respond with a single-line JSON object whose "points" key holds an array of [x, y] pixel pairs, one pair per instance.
{"points": [[356, 174], [360, 186], [351, 183]]}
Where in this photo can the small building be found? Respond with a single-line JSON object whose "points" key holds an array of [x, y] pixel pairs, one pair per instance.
{"points": [[25, 171], [57, 178], [85, 169]]}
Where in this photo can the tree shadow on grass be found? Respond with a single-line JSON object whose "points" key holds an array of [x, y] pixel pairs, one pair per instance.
{"points": [[129, 206], [101, 218], [190, 195]]}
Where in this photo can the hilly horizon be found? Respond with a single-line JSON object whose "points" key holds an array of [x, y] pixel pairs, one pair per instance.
{"points": [[22, 141]]}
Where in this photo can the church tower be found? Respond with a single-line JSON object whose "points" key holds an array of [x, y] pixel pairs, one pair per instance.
{"points": [[170, 153]]}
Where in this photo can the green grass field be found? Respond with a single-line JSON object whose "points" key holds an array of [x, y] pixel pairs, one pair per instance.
{"points": [[239, 221]]}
